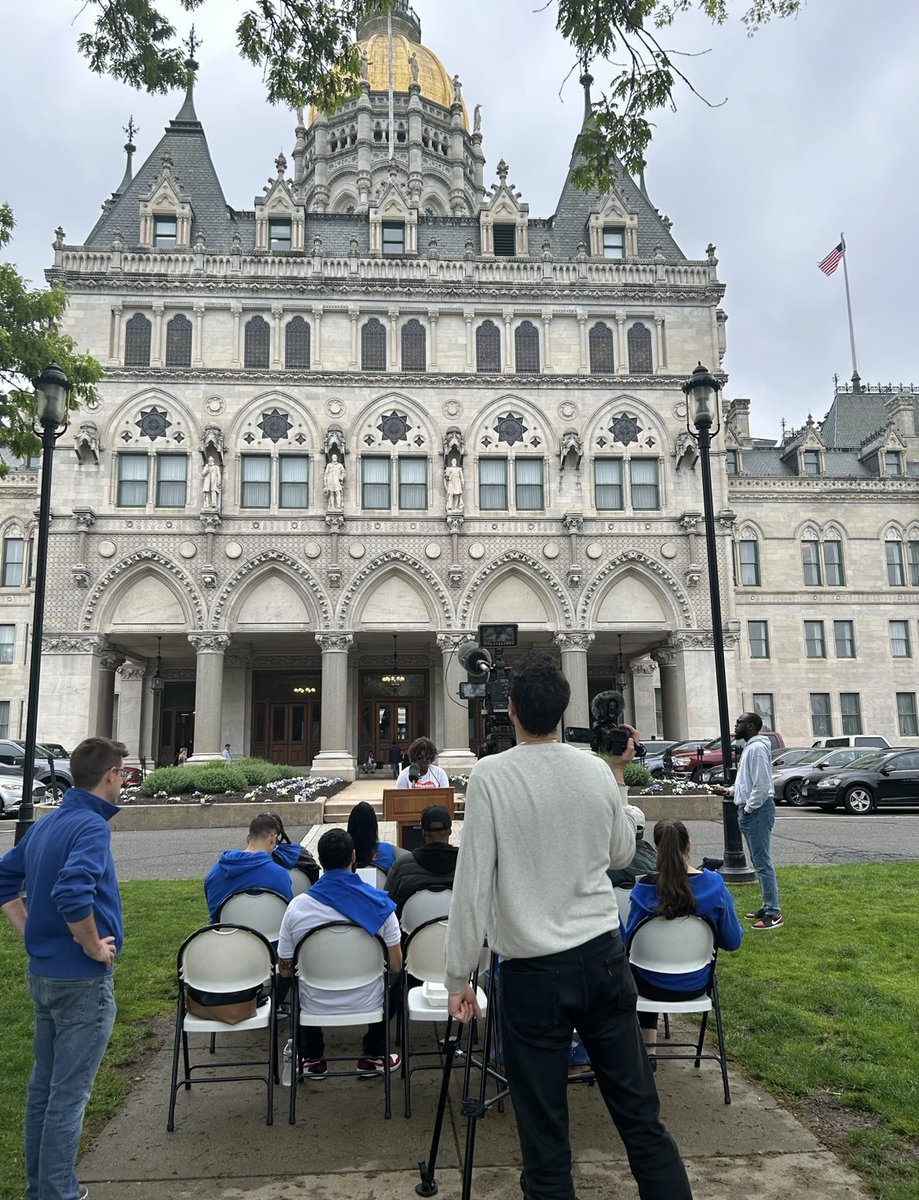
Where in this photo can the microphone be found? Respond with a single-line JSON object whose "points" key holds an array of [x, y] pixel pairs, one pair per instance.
{"points": [[474, 660], [414, 773]]}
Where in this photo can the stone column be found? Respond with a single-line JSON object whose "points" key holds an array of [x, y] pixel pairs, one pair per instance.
{"points": [[107, 663], [353, 314], [156, 355], [334, 758], [277, 350], [574, 647], [673, 699], [547, 340], [393, 314], [583, 363], [455, 756], [644, 716], [198, 352], [469, 317], [70, 684], [210, 649], [660, 360], [236, 310], [116, 347], [433, 315], [131, 708], [622, 351], [510, 357], [317, 337]]}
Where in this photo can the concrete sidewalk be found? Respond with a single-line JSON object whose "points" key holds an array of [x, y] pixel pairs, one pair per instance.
{"points": [[341, 1147]]}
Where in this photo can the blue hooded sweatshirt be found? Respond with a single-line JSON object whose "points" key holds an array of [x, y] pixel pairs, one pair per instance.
{"points": [[245, 870], [65, 864]]}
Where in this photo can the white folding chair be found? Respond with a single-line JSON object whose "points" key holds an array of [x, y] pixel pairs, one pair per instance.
{"points": [[623, 900], [337, 957], [375, 876], [674, 947], [423, 958], [425, 905], [299, 881], [262, 911], [224, 963]]}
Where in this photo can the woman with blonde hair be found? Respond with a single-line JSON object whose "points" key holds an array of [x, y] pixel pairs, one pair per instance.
{"points": [[678, 889]]}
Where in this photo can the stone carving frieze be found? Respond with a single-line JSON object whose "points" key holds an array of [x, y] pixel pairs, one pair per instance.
{"points": [[286, 662], [209, 643], [290, 565], [132, 672], [67, 644], [449, 643], [416, 567], [498, 565], [335, 643], [141, 558], [574, 641], [649, 564]]}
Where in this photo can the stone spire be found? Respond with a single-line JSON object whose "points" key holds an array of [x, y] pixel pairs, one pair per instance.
{"points": [[186, 114], [130, 129]]}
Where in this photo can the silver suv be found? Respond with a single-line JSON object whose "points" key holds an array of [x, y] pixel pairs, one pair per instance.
{"points": [[12, 752]]}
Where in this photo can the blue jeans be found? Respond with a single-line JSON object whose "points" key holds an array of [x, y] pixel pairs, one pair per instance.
{"points": [[73, 1023], [542, 1000], [757, 831]]}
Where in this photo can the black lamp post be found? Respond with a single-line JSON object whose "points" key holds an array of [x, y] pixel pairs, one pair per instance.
{"points": [[702, 390], [52, 389]]}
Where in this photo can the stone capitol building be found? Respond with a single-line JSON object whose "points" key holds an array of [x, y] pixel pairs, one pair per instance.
{"points": [[343, 426]]}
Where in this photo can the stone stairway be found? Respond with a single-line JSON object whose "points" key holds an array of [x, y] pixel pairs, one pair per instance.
{"points": [[337, 809]]}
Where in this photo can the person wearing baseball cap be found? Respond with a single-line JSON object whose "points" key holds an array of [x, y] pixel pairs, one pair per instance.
{"points": [[432, 865], [644, 859]]}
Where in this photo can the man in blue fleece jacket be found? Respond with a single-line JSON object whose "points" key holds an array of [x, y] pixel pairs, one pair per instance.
{"points": [[71, 921], [252, 868]]}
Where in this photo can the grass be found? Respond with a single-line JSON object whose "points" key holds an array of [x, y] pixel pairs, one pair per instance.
{"points": [[822, 1013]]}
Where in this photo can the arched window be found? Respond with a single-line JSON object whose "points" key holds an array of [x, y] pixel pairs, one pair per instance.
{"points": [[526, 348], [178, 342], [137, 333], [414, 346], [639, 350], [487, 348], [601, 349], [373, 346], [257, 346], [297, 345]]}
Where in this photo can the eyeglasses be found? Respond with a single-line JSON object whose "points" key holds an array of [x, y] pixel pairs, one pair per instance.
{"points": [[122, 771]]}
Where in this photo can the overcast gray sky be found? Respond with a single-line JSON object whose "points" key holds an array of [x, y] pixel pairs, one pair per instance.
{"points": [[818, 136]]}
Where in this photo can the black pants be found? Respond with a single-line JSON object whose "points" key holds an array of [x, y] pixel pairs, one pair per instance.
{"points": [[590, 989], [311, 1040]]}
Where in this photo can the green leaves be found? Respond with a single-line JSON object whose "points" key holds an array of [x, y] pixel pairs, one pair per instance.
{"points": [[30, 338]]}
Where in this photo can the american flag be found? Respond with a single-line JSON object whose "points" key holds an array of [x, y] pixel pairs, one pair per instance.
{"points": [[831, 262]]}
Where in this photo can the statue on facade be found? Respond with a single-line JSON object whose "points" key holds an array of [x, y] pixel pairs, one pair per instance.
{"points": [[413, 66], [211, 482], [477, 119], [457, 90], [365, 64], [333, 482], [453, 484]]}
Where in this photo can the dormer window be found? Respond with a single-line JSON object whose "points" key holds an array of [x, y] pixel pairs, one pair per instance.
{"points": [[893, 462], [505, 240], [393, 237], [280, 233], [732, 462], [613, 241], [811, 462], [165, 232]]}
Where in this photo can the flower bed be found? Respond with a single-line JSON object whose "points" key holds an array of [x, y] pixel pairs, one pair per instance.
{"points": [[674, 787]]}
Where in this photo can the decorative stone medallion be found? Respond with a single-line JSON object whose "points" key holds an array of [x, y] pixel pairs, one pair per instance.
{"points": [[107, 549], [312, 549], [452, 408], [668, 550], [594, 550], [215, 405], [432, 550], [550, 550], [568, 410], [357, 550], [476, 550], [188, 549], [233, 550], [334, 408]]}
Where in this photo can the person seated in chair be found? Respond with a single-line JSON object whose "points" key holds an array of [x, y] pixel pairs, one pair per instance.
{"points": [[678, 889], [645, 858], [365, 834], [340, 895], [432, 865], [253, 868], [421, 770]]}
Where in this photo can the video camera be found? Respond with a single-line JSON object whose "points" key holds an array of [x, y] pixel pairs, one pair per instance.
{"points": [[607, 734], [485, 662]]}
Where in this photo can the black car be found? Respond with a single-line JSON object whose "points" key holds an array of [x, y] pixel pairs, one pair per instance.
{"points": [[886, 777]]}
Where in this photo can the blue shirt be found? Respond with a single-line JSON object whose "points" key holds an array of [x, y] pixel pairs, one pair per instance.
{"points": [[65, 864], [246, 870]]}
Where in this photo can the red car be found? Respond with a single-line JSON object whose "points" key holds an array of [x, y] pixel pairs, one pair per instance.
{"points": [[710, 762], [132, 777]]}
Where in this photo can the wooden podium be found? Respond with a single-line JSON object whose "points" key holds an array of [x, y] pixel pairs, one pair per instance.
{"points": [[405, 806]]}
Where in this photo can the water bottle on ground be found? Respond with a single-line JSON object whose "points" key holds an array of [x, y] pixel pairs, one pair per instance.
{"points": [[288, 1059]]}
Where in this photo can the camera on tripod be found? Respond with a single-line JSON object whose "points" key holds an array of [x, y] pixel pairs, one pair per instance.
{"points": [[484, 662], [607, 734]]}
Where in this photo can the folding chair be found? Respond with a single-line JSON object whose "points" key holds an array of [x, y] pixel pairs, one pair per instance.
{"points": [[224, 961], [336, 957], [623, 900], [423, 958], [674, 947], [262, 911], [425, 905], [299, 881], [375, 876]]}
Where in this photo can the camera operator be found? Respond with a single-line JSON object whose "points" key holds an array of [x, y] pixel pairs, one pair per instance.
{"points": [[544, 822]]}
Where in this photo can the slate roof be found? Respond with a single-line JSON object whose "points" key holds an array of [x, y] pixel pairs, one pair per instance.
{"points": [[762, 463], [852, 418]]}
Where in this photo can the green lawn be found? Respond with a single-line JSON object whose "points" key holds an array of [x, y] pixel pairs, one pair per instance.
{"points": [[822, 1012]]}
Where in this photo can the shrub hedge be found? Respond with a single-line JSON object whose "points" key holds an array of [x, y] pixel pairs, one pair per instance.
{"points": [[635, 775], [217, 776]]}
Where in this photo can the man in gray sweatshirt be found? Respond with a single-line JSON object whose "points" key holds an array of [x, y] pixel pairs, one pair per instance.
{"points": [[544, 822]]}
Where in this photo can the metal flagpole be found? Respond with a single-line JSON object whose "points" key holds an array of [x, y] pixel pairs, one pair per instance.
{"points": [[845, 271], [392, 106]]}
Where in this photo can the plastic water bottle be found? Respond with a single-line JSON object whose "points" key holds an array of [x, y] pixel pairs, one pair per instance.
{"points": [[288, 1059]]}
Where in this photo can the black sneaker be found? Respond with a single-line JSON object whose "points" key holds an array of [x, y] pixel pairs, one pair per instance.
{"points": [[316, 1068], [769, 921], [756, 916]]}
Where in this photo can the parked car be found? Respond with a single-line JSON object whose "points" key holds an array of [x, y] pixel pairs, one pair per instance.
{"points": [[812, 766], [12, 752], [11, 791], [690, 764], [132, 777], [865, 740], [784, 756], [885, 777], [655, 748], [655, 761], [56, 749]]}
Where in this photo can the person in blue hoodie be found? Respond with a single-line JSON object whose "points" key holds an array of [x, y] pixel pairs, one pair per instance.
{"points": [[256, 867], [70, 918], [678, 889]]}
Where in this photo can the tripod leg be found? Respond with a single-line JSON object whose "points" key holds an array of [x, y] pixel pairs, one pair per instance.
{"points": [[473, 1109], [428, 1184]]}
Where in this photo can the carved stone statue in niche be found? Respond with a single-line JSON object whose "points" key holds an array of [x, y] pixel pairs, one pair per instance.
{"points": [[453, 485], [212, 443], [86, 443], [571, 450], [333, 482], [211, 483]]}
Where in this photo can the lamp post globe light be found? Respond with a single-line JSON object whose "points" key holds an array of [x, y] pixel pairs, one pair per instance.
{"points": [[52, 390], [702, 390]]}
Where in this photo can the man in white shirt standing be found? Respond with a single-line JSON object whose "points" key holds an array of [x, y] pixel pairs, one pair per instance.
{"points": [[544, 822]]}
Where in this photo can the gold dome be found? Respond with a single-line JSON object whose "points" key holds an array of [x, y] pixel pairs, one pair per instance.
{"points": [[433, 79]]}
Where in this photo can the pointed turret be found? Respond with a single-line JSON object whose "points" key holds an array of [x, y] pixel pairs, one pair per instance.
{"points": [[129, 148]]}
